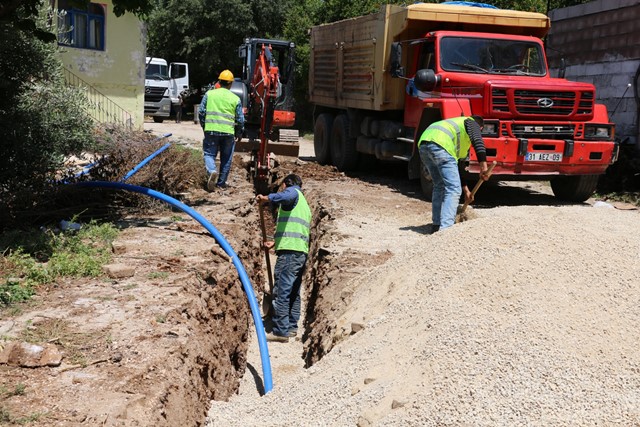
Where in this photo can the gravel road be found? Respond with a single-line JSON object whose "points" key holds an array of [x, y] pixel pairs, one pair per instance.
{"points": [[527, 315]]}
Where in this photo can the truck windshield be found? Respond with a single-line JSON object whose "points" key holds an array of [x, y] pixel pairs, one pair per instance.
{"points": [[491, 56], [157, 72]]}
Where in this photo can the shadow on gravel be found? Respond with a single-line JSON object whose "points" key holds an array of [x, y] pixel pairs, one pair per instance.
{"points": [[492, 193]]}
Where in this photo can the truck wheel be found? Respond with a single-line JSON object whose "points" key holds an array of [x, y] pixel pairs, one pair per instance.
{"points": [[576, 188], [343, 148], [321, 137], [426, 183], [158, 119]]}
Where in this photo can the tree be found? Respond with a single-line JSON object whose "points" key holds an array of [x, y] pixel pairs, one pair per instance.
{"points": [[207, 33]]}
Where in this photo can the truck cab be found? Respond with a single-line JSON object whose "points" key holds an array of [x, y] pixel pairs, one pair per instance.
{"points": [[536, 126], [163, 83]]}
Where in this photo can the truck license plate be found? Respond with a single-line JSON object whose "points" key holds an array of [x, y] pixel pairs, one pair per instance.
{"points": [[543, 157]]}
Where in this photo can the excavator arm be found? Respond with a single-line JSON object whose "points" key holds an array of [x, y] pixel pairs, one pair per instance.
{"points": [[268, 106], [263, 96]]}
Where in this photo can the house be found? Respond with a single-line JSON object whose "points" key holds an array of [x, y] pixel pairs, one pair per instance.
{"points": [[105, 55], [600, 43]]}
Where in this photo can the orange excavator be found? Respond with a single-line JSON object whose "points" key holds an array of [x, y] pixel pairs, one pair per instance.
{"points": [[266, 91]]}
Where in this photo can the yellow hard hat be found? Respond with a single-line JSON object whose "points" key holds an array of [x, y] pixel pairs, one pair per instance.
{"points": [[226, 76]]}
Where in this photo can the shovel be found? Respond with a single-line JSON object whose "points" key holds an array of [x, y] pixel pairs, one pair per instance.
{"points": [[461, 212], [268, 294]]}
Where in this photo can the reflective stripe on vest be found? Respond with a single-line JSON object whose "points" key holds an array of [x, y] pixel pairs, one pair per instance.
{"points": [[451, 135], [221, 110], [292, 229]]}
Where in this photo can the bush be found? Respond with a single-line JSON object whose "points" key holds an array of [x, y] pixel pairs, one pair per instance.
{"points": [[41, 119]]}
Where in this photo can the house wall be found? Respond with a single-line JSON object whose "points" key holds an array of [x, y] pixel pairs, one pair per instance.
{"points": [[600, 42], [118, 71]]}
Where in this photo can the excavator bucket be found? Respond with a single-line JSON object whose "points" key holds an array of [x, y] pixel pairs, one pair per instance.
{"points": [[286, 145]]}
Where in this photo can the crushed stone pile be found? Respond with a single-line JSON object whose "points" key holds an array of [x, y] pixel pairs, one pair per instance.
{"points": [[524, 316]]}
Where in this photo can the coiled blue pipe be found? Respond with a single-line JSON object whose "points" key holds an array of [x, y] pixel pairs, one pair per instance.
{"points": [[246, 284]]}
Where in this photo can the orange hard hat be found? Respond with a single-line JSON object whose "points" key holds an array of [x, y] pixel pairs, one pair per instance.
{"points": [[226, 76]]}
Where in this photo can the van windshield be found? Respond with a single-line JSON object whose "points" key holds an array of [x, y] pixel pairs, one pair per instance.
{"points": [[491, 56], [157, 72]]}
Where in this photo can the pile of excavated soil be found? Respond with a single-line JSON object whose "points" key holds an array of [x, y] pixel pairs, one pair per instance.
{"points": [[526, 315]]}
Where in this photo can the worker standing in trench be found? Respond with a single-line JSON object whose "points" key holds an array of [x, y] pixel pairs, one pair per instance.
{"points": [[221, 118], [441, 146], [293, 226]]}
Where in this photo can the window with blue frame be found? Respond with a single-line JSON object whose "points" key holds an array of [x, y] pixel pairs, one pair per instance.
{"points": [[81, 28]]}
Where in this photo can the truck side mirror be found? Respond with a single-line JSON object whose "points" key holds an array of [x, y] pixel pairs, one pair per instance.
{"points": [[563, 68], [396, 60], [426, 80]]}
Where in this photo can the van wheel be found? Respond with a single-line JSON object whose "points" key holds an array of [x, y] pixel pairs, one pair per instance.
{"points": [[343, 148], [574, 188], [321, 138], [158, 119], [426, 183]]}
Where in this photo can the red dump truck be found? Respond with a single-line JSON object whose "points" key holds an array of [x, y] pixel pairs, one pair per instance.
{"points": [[377, 81]]}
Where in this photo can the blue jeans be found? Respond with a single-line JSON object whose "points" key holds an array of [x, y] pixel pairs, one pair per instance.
{"points": [[212, 143], [288, 273], [443, 168]]}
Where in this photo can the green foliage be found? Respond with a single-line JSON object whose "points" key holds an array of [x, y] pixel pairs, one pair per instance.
{"points": [[207, 33], [34, 258], [335, 10], [41, 120], [12, 291]]}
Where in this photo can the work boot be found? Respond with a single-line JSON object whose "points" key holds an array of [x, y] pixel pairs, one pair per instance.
{"points": [[293, 333], [211, 183], [276, 338]]}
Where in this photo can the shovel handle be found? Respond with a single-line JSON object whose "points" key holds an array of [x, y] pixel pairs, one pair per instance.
{"points": [[478, 184], [266, 250]]}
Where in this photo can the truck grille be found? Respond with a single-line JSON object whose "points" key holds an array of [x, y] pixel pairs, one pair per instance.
{"points": [[544, 131], [153, 94], [542, 103]]}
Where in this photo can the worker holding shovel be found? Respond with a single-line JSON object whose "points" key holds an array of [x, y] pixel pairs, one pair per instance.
{"points": [[293, 226], [441, 146]]}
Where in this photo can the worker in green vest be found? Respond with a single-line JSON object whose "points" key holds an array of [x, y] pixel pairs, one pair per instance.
{"points": [[221, 118], [292, 248], [441, 146]]}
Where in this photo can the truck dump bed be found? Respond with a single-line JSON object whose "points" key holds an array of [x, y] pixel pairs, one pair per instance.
{"points": [[349, 58]]}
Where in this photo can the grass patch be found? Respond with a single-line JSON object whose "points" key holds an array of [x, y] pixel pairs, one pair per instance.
{"points": [[631, 197], [158, 275], [35, 257]]}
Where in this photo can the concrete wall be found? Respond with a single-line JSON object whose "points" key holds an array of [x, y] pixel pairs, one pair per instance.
{"points": [[600, 42], [118, 71]]}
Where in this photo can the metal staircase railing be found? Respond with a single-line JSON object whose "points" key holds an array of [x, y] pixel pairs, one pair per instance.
{"points": [[101, 108]]}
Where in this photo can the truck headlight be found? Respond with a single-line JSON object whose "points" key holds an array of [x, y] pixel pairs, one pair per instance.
{"points": [[490, 128], [598, 132]]}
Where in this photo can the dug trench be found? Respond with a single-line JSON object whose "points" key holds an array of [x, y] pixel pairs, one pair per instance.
{"points": [[167, 329]]}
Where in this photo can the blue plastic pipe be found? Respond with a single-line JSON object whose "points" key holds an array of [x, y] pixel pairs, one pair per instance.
{"points": [[246, 284], [145, 161]]}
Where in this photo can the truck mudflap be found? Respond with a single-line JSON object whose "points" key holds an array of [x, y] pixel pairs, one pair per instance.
{"points": [[547, 157]]}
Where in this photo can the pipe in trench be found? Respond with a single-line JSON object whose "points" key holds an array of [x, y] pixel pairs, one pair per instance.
{"points": [[244, 278]]}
